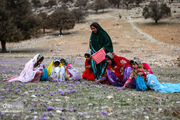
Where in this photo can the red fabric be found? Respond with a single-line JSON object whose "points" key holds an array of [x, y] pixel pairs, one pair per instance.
{"points": [[88, 74], [128, 82], [118, 59]]}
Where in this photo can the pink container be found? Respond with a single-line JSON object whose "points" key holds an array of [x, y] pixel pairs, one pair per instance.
{"points": [[99, 56]]}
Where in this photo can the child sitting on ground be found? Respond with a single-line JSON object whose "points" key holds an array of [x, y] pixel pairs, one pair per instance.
{"points": [[88, 73], [56, 71], [72, 72]]}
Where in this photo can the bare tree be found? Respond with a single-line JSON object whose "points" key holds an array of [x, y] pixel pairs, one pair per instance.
{"points": [[62, 20], [156, 11]]}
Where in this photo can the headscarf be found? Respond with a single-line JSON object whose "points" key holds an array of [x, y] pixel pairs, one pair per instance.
{"points": [[110, 55], [100, 40], [28, 72], [136, 60], [88, 53]]}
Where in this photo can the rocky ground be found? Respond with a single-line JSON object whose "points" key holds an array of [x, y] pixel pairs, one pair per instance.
{"points": [[86, 100]]}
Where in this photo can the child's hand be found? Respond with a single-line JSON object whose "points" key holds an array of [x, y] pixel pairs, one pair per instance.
{"points": [[43, 66], [89, 66]]}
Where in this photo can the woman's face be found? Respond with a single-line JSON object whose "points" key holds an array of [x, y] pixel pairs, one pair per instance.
{"points": [[94, 30], [40, 61], [109, 61], [134, 65]]}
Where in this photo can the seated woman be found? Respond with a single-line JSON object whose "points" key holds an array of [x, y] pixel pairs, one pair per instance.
{"points": [[88, 73], [56, 71], [125, 69], [32, 71], [113, 74], [139, 69], [72, 72]]}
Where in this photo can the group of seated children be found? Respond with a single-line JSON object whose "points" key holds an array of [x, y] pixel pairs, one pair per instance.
{"points": [[34, 71]]}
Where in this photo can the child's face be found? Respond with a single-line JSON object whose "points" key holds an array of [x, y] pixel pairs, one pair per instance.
{"points": [[63, 63], [109, 61], [87, 57], [56, 64], [135, 66]]}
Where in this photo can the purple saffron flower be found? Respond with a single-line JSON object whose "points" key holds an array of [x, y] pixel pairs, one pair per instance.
{"points": [[149, 107], [22, 94], [61, 92], [17, 91], [50, 108], [63, 118], [24, 101], [9, 90], [62, 109], [2, 113], [73, 91], [67, 109], [50, 112], [45, 114], [80, 113], [144, 107], [85, 113], [103, 112], [35, 89], [51, 94], [43, 118], [15, 115], [157, 101], [74, 109], [68, 92], [2, 97], [31, 109]]}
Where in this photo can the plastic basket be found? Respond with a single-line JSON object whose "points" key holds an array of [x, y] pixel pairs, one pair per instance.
{"points": [[99, 56]]}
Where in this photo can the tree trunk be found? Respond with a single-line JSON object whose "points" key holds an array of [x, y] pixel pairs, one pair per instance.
{"points": [[60, 32], [156, 21], [44, 30], [3, 45]]}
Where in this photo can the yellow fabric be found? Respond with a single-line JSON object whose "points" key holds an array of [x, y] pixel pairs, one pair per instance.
{"points": [[49, 69]]}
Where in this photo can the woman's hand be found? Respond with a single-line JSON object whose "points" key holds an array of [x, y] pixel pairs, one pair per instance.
{"points": [[112, 70], [40, 72], [123, 62]]}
